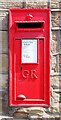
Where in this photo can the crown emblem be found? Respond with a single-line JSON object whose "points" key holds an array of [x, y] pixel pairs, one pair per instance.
{"points": [[29, 17]]}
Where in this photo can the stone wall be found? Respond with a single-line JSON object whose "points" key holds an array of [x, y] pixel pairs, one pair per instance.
{"points": [[35, 113]]}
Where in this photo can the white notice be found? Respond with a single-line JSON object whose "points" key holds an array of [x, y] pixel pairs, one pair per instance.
{"points": [[29, 50]]}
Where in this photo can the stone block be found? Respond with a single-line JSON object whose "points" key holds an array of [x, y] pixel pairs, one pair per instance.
{"points": [[54, 63], [32, 110], [4, 20], [55, 4], [53, 46], [59, 63], [3, 80], [6, 118], [36, 4], [18, 114], [60, 40], [56, 82], [10, 1], [58, 118], [3, 41], [56, 19], [3, 101], [54, 35], [56, 38], [3, 62], [4, 23], [33, 116], [56, 97], [0, 62], [20, 119], [54, 109], [10, 4], [3, 13]]}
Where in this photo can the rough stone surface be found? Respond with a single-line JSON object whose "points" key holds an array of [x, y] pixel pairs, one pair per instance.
{"points": [[3, 80], [11, 4], [54, 35], [55, 4], [3, 62], [56, 19], [33, 116], [56, 41], [20, 119], [56, 97], [4, 22], [51, 118], [54, 109], [60, 40], [3, 101], [32, 110], [56, 82], [59, 63], [3, 41], [36, 4], [54, 46], [54, 64], [8, 118], [18, 114]]}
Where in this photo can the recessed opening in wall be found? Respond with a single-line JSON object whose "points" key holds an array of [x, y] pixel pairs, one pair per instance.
{"points": [[30, 25]]}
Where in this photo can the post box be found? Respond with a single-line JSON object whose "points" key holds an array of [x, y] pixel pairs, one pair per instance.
{"points": [[29, 57]]}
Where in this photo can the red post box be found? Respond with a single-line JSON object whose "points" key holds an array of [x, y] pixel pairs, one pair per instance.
{"points": [[29, 57]]}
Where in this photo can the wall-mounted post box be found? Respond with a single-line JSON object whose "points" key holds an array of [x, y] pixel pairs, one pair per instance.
{"points": [[29, 54]]}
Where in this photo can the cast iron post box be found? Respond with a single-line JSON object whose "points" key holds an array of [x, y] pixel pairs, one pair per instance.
{"points": [[29, 54]]}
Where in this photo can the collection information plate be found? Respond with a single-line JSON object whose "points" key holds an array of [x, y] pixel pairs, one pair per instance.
{"points": [[29, 50]]}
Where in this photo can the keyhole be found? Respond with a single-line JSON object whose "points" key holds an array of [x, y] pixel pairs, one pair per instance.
{"points": [[21, 68]]}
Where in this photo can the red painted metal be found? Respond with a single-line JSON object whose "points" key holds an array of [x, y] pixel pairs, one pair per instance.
{"points": [[29, 83]]}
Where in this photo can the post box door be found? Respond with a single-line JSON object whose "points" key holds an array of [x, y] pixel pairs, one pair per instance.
{"points": [[29, 54]]}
